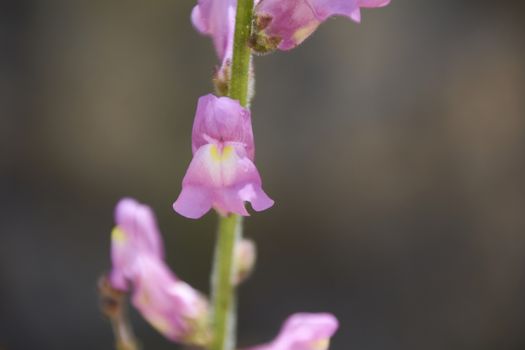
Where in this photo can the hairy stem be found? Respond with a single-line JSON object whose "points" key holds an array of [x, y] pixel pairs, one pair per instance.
{"points": [[230, 227], [240, 74]]}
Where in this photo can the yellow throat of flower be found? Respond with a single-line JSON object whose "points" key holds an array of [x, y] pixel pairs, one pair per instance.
{"points": [[321, 344], [118, 236], [218, 155]]}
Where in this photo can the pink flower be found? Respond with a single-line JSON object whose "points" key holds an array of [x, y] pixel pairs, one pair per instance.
{"points": [[304, 331], [222, 174], [216, 18], [284, 24], [170, 305]]}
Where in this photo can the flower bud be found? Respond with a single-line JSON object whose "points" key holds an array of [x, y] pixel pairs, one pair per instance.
{"points": [[245, 256]]}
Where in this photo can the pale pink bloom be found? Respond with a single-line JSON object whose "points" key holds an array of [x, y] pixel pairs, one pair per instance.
{"points": [[221, 174], [304, 331], [175, 309], [284, 24]]}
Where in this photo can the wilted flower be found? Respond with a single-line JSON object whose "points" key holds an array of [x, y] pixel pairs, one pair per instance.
{"points": [[284, 24], [221, 174], [304, 331], [171, 306]]}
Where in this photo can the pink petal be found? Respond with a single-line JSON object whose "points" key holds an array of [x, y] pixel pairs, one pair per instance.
{"points": [[327, 8], [216, 18], [229, 201], [222, 176], [356, 15], [193, 202], [304, 331], [310, 326], [139, 223], [256, 196], [169, 305], [373, 3], [136, 234], [198, 21]]}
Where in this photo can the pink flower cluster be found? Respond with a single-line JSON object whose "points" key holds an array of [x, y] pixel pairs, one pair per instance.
{"points": [[174, 308], [222, 175], [278, 24]]}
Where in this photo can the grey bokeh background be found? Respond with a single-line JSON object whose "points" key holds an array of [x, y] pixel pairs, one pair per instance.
{"points": [[395, 151]]}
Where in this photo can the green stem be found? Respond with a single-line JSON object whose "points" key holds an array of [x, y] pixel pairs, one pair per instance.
{"points": [[113, 305], [230, 227], [240, 73]]}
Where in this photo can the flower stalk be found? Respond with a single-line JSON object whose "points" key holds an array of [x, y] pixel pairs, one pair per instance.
{"points": [[230, 227], [113, 306], [240, 72], [223, 295]]}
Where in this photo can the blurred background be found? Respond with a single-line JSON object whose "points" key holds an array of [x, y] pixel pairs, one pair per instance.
{"points": [[394, 149]]}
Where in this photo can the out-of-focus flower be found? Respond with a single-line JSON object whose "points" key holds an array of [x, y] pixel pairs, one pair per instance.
{"points": [[170, 305], [284, 24], [221, 174], [304, 331], [136, 233], [245, 256], [216, 18]]}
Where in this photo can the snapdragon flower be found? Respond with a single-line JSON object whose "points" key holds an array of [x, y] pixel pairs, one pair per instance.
{"points": [[284, 24], [304, 331], [221, 174], [170, 305]]}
